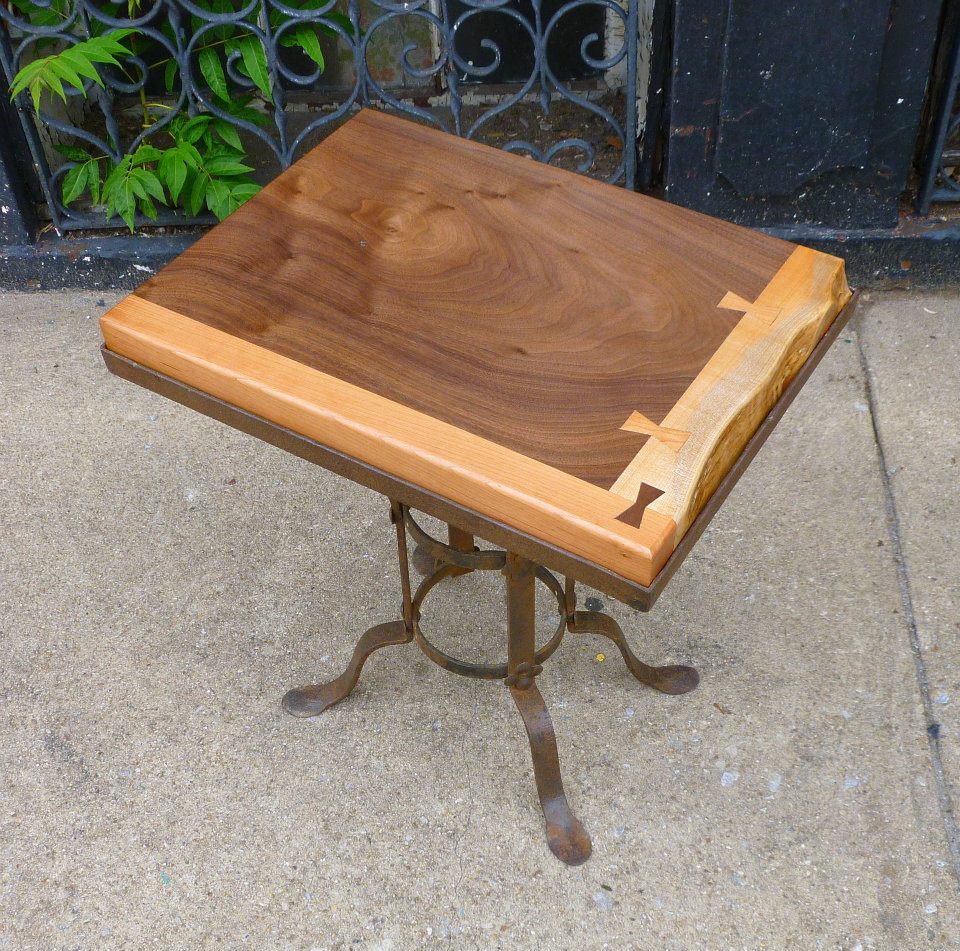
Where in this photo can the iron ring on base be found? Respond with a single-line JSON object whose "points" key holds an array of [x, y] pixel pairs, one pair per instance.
{"points": [[462, 667]]}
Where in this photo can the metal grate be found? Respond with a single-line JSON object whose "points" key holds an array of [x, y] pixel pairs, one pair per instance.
{"points": [[940, 161], [428, 59]]}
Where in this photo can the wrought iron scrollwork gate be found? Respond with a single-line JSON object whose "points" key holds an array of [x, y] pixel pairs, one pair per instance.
{"points": [[940, 158], [433, 80]]}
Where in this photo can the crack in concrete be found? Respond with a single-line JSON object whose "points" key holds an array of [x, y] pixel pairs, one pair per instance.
{"points": [[944, 798]]}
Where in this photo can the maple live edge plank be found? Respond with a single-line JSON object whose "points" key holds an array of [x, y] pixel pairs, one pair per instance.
{"points": [[730, 396], [189, 324]]}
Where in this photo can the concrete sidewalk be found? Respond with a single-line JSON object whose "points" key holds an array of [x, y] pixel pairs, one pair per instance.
{"points": [[164, 579]]}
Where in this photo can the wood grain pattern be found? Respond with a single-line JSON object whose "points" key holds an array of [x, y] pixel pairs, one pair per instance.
{"points": [[579, 362], [726, 402], [527, 305], [545, 502]]}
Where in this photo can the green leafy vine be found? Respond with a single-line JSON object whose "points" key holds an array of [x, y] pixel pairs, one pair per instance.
{"points": [[190, 163]]}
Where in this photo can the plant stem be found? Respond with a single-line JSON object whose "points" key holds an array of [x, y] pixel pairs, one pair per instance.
{"points": [[199, 49]]}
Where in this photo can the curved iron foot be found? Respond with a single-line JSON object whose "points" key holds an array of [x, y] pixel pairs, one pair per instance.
{"points": [[309, 701], [674, 678], [566, 836]]}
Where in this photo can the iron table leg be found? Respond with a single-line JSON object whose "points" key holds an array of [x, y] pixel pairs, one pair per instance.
{"points": [[674, 678], [566, 836], [310, 701]]}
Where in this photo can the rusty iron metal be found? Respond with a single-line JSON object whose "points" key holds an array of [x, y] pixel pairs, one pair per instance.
{"points": [[462, 667], [309, 701], [673, 678], [457, 539], [313, 700], [398, 517], [450, 561], [441, 554], [566, 836]]}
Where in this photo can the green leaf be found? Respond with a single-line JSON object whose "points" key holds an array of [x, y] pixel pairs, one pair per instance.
{"points": [[60, 68], [218, 198], [241, 109], [148, 208], [81, 64], [127, 208], [244, 191], [113, 179], [72, 152], [225, 165], [306, 38], [109, 45], [190, 154], [146, 153], [170, 74], [136, 186], [151, 184], [118, 192], [224, 199], [41, 16], [212, 71], [228, 133], [50, 72], [74, 183], [172, 169], [130, 187], [53, 83], [93, 180], [198, 190], [192, 130], [255, 64], [222, 31], [84, 175]]}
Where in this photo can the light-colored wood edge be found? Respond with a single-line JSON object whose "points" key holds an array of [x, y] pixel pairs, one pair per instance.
{"points": [[535, 498], [726, 402]]}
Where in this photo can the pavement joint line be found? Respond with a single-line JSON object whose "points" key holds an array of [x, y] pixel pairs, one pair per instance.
{"points": [[944, 799]]}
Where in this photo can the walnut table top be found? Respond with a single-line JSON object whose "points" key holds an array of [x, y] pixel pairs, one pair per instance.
{"points": [[576, 361]]}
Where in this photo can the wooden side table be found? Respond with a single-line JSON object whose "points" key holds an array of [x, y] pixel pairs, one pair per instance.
{"points": [[573, 372]]}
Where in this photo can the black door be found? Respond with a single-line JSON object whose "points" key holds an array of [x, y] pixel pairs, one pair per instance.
{"points": [[786, 113]]}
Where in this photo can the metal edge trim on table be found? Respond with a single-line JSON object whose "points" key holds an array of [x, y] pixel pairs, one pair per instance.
{"points": [[639, 597]]}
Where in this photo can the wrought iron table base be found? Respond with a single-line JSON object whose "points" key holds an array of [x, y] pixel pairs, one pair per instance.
{"points": [[566, 836]]}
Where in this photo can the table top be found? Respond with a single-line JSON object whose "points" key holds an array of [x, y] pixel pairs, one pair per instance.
{"points": [[577, 361]]}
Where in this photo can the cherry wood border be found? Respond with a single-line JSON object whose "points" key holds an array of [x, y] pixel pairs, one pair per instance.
{"points": [[638, 596], [721, 409]]}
